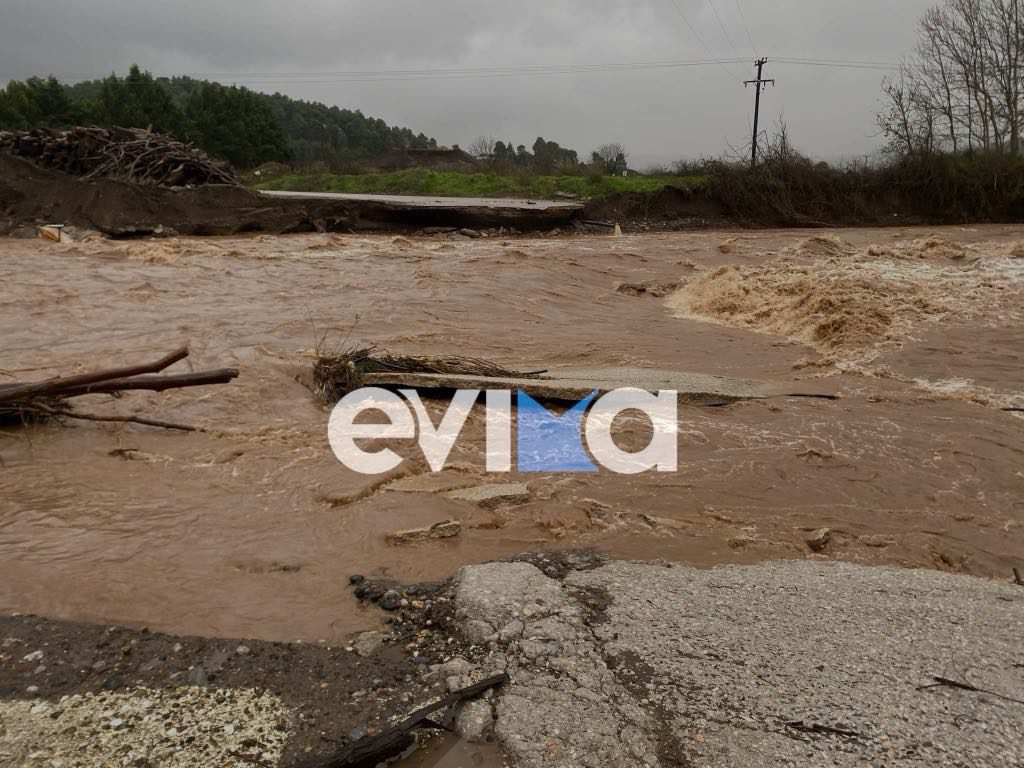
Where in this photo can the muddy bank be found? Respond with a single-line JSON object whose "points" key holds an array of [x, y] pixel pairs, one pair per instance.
{"points": [[668, 209], [79, 694], [89, 694], [30, 196]]}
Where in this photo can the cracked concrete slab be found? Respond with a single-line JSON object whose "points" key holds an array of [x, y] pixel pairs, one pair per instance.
{"points": [[575, 384], [794, 663]]}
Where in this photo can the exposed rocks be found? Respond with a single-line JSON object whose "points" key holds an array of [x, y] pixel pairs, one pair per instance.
{"points": [[877, 541], [475, 721], [442, 530], [197, 675], [368, 643], [653, 289], [493, 494], [820, 539]]}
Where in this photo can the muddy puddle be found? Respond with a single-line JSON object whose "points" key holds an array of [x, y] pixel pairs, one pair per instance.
{"points": [[251, 528], [448, 751]]}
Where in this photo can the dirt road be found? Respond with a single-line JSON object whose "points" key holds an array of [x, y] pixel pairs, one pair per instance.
{"points": [[251, 528]]}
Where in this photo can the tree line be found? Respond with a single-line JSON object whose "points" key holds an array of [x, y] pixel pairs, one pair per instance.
{"points": [[245, 127], [547, 158], [961, 89]]}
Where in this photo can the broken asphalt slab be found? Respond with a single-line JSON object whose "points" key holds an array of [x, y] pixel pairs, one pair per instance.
{"points": [[429, 210], [790, 663]]}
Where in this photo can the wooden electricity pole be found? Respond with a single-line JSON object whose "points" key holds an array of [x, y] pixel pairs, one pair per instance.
{"points": [[759, 85]]}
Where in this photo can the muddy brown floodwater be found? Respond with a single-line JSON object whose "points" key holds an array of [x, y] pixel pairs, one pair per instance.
{"points": [[250, 528]]}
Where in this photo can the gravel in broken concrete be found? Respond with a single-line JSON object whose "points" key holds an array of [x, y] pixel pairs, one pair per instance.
{"points": [[787, 664], [187, 728]]}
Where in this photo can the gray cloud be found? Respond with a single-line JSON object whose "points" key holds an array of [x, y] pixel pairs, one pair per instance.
{"points": [[659, 114]]}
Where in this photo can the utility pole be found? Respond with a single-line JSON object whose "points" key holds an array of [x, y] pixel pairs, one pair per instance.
{"points": [[759, 85]]}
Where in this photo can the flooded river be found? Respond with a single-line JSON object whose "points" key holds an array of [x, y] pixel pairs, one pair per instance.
{"points": [[251, 527]]}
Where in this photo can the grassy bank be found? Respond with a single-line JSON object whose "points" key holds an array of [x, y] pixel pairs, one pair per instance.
{"points": [[785, 189], [420, 181], [789, 190]]}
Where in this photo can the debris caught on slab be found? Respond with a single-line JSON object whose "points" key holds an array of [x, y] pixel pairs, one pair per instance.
{"points": [[23, 402], [370, 751], [135, 155], [442, 530], [336, 374]]}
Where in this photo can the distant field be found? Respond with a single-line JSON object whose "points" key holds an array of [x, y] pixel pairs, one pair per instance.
{"points": [[419, 181]]}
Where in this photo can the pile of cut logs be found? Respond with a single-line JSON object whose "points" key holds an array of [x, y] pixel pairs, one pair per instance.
{"points": [[129, 154], [22, 402]]}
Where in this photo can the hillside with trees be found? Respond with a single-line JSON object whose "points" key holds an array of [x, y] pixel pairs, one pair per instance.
{"points": [[246, 127]]}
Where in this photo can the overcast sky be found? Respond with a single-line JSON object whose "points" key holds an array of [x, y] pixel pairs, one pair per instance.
{"points": [[659, 114]]}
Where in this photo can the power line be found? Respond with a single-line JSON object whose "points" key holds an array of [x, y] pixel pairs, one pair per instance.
{"points": [[524, 69], [700, 39], [840, 64], [357, 76], [424, 74], [725, 32], [743, 18]]}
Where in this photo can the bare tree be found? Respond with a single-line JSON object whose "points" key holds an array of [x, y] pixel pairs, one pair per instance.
{"points": [[482, 147], [963, 86], [611, 157]]}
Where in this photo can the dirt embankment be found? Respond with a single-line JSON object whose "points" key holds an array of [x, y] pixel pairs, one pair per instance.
{"points": [[30, 196], [670, 208]]}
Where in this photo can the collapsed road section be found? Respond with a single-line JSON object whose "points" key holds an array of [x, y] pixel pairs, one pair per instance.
{"points": [[33, 196]]}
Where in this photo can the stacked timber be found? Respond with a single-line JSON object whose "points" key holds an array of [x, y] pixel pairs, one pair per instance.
{"points": [[135, 155]]}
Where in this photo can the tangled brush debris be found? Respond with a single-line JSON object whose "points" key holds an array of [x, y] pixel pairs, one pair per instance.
{"points": [[337, 373], [135, 155]]}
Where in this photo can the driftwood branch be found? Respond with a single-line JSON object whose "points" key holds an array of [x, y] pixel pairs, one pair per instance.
{"points": [[370, 751], [21, 402], [128, 419], [12, 392], [948, 683], [155, 383]]}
